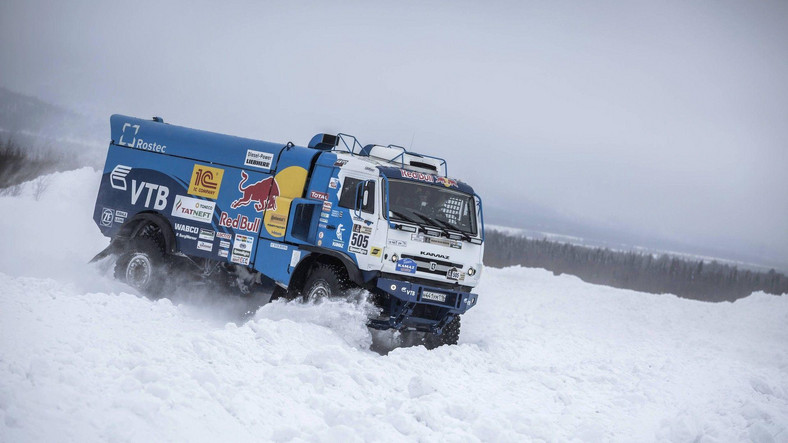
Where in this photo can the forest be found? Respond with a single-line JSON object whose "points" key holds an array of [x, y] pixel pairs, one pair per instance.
{"points": [[645, 272]]}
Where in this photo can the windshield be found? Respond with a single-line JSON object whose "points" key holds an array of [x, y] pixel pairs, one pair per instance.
{"points": [[432, 205]]}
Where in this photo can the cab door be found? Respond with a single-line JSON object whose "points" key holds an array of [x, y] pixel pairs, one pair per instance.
{"points": [[360, 199]]}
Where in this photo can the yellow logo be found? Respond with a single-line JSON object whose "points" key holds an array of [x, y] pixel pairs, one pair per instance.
{"points": [[291, 181], [206, 181]]}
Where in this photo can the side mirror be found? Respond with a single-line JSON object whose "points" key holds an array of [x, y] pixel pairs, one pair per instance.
{"points": [[363, 198]]}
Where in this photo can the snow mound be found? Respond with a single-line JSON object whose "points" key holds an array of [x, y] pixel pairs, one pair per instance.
{"points": [[541, 357]]}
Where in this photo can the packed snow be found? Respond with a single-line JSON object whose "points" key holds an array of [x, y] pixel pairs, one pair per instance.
{"points": [[542, 357]]}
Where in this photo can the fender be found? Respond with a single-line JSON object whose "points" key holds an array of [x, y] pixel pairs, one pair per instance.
{"points": [[353, 272], [132, 228], [157, 219]]}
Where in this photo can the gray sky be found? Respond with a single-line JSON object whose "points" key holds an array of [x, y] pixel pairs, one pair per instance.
{"points": [[664, 119]]}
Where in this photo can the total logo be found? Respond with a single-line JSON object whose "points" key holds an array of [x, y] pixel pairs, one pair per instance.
{"points": [[129, 138]]}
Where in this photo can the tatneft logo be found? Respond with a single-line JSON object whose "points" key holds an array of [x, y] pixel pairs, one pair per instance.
{"points": [[206, 181], [193, 209], [129, 138], [117, 178]]}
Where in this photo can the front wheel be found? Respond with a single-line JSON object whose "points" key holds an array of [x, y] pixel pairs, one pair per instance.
{"points": [[325, 281], [141, 266], [449, 336]]}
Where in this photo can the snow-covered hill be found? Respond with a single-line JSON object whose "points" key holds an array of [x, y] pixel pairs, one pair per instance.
{"points": [[541, 357]]}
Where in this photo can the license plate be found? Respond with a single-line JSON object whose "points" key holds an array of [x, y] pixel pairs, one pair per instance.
{"points": [[454, 274], [434, 296]]}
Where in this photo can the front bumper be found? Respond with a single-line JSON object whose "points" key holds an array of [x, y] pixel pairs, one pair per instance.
{"points": [[421, 307]]}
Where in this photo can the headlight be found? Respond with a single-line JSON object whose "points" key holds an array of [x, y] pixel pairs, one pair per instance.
{"points": [[471, 271], [394, 258]]}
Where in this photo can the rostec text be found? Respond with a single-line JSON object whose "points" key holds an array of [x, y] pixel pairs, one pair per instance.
{"points": [[161, 194], [152, 146]]}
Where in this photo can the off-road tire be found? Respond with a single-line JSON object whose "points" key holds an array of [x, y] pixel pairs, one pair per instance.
{"points": [[325, 281], [449, 336], [142, 265]]}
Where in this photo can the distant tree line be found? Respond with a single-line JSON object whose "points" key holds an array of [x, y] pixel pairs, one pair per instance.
{"points": [[19, 165], [644, 272]]}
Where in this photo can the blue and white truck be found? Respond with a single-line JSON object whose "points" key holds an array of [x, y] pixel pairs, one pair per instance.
{"points": [[307, 221]]}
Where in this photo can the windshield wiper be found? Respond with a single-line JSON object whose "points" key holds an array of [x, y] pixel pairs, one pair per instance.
{"points": [[454, 228], [430, 222], [404, 217]]}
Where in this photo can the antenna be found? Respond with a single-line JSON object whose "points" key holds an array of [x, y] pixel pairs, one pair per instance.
{"points": [[411, 141]]}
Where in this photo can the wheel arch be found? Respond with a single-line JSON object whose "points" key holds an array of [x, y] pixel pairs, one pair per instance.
{"points": [[133, 227], [341, 261]]}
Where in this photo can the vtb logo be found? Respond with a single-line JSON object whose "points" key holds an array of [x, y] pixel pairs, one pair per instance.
{"points": [[130, 133], [206, 181], [117, 178], [263, 193]]}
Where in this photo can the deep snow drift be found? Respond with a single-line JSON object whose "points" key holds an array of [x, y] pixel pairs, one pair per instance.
{"points": [[541, 357]]}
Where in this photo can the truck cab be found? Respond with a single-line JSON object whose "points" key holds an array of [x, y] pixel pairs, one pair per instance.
{"points": [[416, 234]]}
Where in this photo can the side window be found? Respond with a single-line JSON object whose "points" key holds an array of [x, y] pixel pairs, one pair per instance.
{"points": [[348, 197]]}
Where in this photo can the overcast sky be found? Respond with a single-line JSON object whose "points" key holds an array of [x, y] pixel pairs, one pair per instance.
{"points": [[666, 119]]}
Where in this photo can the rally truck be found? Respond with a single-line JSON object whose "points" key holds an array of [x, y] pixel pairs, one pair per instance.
{"points": [[308, 222]]}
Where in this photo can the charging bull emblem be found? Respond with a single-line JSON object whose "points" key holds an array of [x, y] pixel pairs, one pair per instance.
{"points": [[263, 193]]}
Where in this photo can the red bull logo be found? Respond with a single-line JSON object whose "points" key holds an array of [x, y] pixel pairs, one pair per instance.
{"points": [[240, 222], [448, 182], [263, 194]]}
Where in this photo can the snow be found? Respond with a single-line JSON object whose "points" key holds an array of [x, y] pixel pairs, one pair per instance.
{"points": [[542, 357]]}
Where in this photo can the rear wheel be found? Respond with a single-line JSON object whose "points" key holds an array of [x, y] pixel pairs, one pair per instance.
{"points": [[142, 265], [449, 336], [324, 281]]}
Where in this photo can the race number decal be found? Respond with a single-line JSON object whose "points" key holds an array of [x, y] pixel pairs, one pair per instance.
{"points": [[359, 239]]}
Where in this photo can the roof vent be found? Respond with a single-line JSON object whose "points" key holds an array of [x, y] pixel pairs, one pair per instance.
{"points": [[324, 142]]}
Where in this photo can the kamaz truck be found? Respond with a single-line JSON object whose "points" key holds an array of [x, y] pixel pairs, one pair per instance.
{"points": [[307, 222]]}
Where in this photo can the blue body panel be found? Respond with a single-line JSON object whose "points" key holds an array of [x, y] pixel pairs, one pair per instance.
{"points": [[209, 204], [220, 149]]}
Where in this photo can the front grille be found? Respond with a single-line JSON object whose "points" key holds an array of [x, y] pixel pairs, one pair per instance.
{"points": [[424, 264]]}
